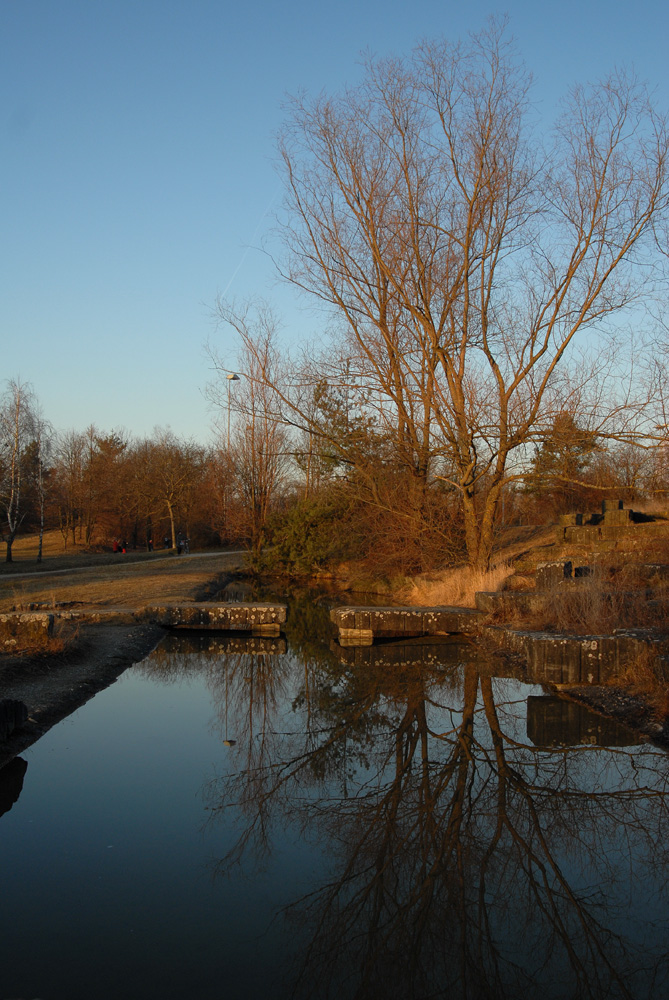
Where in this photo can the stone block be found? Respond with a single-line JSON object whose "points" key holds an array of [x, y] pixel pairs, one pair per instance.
{"points": [[355, 637], [551, 574], [619, 518], [343, 617], [363, 619]]}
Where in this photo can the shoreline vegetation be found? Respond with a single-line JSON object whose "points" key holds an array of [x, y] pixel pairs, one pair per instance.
{"points": [[597, 604]]}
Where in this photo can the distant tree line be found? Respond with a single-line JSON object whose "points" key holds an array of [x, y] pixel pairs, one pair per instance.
{"points": [[107, 489], [297, 506]]}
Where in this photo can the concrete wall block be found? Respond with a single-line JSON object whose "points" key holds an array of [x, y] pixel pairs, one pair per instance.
{"points": [[343, 617], [591, 657], [415, 622], [551, 574], [617, 517], [487, 601], [355, 637]]}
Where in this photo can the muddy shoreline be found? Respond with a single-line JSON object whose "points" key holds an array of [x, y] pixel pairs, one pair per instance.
{"points": [[52, 688]]}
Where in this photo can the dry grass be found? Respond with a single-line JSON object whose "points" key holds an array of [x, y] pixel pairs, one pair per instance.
{"points": [[648, 678], [24, 556], [610, 598], [24, 549], [43, 646], [120, 582], [454, 587]]}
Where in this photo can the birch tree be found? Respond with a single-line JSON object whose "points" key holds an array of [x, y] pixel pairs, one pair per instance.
{"points": [[16, 432]]}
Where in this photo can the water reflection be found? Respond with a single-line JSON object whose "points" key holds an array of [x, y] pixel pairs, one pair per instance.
{"points": [[459, 858]]}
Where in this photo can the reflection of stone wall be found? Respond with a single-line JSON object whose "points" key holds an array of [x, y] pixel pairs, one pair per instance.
{"points": [[400, 654], [553, 722], [215, 645]]}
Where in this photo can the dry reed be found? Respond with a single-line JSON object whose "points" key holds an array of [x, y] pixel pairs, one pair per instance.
{"points": [[454, 587]]}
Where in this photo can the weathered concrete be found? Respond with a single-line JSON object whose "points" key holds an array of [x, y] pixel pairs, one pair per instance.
{"points": [[30, 626], [261, 619], [361, 625], [565, 659], [551, 574], [510, 602]]}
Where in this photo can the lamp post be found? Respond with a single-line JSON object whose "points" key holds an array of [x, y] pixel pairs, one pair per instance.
{"points": [[231, 378]]}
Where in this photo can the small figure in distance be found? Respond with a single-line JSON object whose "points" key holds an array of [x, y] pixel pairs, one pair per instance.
{"points": [[180, 543], [166, 542]]}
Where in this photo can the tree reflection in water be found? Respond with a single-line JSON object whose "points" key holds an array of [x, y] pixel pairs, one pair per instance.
{"points": [[462, 861]]}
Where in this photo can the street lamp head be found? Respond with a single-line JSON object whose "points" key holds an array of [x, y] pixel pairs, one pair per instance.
{"points": [[232, 378]]}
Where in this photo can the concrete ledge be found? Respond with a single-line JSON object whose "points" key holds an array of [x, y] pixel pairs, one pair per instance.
{"points": [[361, 625], [262, 619]]}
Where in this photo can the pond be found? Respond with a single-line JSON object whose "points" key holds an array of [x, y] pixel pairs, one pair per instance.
{"points": [[267, 817]]}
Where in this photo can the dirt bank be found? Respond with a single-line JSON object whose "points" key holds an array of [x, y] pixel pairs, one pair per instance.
{"points": [[52, 688]]}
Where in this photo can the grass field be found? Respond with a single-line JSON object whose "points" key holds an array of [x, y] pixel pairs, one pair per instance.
{"points": [[105, 579]]}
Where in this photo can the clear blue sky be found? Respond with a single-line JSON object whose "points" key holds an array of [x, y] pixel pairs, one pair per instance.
{"points": [[137, 166]]}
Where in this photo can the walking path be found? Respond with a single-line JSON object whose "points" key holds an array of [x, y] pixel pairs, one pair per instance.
{"points": [[82, 569]]}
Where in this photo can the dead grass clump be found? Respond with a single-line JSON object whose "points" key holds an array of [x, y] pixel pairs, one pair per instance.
{"points": [[39, 645], [607, 599], [454, 587]]}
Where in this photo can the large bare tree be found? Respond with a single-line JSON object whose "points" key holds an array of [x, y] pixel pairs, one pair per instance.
{"points": [[461, 257]]}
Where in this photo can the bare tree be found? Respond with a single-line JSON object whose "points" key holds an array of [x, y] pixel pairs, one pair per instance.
{"points": [[69, 483], [461, 261], [43, 442], [176, 468], [256, 454], [16, 432]]}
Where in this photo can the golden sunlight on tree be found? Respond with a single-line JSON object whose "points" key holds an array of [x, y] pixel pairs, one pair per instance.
{"points": [[463, 261]]}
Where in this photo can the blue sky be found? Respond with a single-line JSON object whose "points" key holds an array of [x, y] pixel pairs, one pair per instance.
{"points": [[137, 168]]}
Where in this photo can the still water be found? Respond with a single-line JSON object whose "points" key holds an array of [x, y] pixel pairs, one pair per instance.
{"points": [[267, 819]]}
